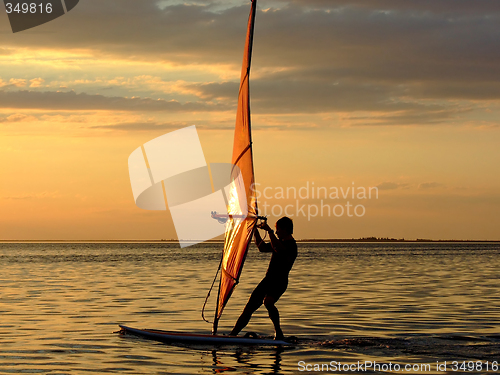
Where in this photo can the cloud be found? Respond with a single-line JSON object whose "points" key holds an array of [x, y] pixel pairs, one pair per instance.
{"points": [[50, 100], [142, 126], [426, 6], [142, 30], [353, 40], [5, 52], [391, 186], [396, 185], [429, 185], [13, 82], [425, 115], [388, 104], [36, 82], [41, 195], [205, 125], [389, 57], [18, 117], [151, 125]]}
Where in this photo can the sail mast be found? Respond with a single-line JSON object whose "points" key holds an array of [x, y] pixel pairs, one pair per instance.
{"points": [[242, 197]]}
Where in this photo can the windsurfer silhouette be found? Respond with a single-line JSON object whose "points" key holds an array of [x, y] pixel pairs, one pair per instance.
{"points": [[284, 251]]}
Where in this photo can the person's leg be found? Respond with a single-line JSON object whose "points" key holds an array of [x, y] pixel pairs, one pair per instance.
{"points": [[254, 302], [274, 314]]}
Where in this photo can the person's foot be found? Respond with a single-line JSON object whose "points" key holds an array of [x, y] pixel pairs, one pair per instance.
{"points": [[279, 335]]}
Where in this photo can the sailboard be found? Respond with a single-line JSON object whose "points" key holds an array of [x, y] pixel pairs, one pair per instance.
{"points": [[240, 219], [197, 339]]}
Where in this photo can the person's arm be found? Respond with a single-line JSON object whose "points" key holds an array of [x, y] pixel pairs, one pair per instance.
{"points": [[276, 244], [263, 246]]}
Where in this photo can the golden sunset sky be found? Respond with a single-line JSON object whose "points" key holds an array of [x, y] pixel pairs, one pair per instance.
{"points": [[399, 95]]}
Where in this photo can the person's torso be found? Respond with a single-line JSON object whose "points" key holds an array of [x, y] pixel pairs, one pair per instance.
{"points": [[281, 262]]}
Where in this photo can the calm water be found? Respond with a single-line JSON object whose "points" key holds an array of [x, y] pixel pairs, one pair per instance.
{"points": [[402, 303]]}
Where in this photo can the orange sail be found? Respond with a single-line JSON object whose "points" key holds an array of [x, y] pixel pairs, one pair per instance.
{"points": [[242, 199]]}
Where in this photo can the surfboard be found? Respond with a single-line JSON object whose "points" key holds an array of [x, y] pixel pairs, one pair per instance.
{"points": [[192, 338]]}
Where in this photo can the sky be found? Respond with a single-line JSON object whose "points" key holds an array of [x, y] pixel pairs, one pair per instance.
{"points": [[400, 99]]}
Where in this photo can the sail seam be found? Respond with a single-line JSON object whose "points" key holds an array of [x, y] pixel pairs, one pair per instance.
{"points": [[243, 81], [241, 155], [230, 276]]}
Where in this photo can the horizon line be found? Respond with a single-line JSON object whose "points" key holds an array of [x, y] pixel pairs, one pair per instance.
{"points": [[361, 239]]}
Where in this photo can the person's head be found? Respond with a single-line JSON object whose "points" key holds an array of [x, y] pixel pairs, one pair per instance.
{"points": [[284, 227]]}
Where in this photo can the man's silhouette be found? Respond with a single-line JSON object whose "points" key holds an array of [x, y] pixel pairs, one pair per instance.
{"points": [[284, 251]]}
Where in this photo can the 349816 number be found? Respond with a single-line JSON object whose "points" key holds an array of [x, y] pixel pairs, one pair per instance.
{"points": [[28, 8], [475, 366]]}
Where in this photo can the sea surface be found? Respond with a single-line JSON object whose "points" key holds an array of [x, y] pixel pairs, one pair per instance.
{"points": [[388, 304]]}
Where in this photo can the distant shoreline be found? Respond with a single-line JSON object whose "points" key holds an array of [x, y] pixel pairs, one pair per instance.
{"points": [[306, 240]]}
